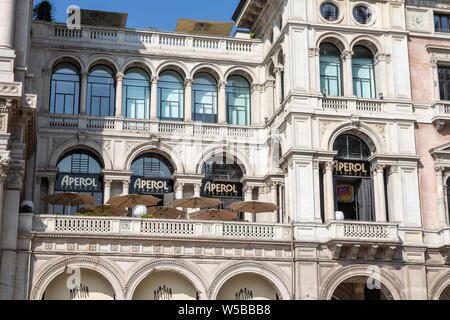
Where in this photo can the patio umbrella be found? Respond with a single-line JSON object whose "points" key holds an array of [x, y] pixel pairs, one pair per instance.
{"points": [[132, 200], [196, 203], [214, 214], [105, 208], [69, 199], [253, 207], [165, 213]]}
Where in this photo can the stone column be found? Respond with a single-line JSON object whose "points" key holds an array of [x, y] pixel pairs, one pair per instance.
{"points": [[316, 179], [255, 105], [83, 92], [329, 190], [222, 102], [107, 193], [51, 190], [125, 187], [381, 215], [47, 79], [154, 99], [278, 93], [9, 231], [347, 73], [396, 195], [281, 209], [248, 196], [119, 88], [274, 197], [7, 15], [440, 195], [197, 189], [188, 100], [270, 103], [4, 169], [179, 190]]}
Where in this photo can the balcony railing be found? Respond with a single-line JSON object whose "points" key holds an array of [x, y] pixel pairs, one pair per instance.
{"points": [[91, 226], [442, 109], [345, 104], [145, 39], [368, 231], [149, 126]]}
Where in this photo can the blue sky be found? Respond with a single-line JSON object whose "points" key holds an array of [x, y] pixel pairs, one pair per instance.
{"points": [[162, 14]]}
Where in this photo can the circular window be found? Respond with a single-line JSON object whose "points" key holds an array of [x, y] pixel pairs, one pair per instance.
{"points": [[362, 14], [329, 11]]}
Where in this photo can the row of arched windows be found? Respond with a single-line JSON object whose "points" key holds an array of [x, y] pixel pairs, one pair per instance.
{"points": [[136, 87], [331, 76]]}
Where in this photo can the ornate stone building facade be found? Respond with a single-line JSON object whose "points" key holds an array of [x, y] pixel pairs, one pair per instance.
{"points": [[332, 111]]}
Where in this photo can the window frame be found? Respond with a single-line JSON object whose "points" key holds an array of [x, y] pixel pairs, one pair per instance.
{"points": [[181, 96], [126, 98], [111, 97], [231, 108], [76, 93], [213, 106]]}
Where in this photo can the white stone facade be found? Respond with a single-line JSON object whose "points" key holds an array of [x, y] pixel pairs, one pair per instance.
{"points": [[286, 154]]}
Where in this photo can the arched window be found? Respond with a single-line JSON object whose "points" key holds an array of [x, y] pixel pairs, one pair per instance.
{"points": [[354, 188], [350, 147], [171, 96], [152, 165], [363, 73], [238, 101], [226, 173], [101, 92], [65, 90], [80, 172], [136, 94], [152, 174], [204, 98], [330, 70]]}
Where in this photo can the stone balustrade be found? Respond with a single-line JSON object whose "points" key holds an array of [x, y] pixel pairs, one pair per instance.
{"points": [[363, 231], [92, 226], [145, 127], [352, 105], [148, 40]]}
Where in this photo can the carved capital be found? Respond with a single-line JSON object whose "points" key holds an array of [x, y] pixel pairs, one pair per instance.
{"points": [[393, 169], [155, 79], [347, 55], [119, 77], [15, 176], [314, 52], [329, 165], [188, 83], [4, 168]]}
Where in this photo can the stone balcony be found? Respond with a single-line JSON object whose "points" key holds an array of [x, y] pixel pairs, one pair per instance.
{"points": [[366, 107], [441, 114], [145, 41], [144, 128], [90, 227]]}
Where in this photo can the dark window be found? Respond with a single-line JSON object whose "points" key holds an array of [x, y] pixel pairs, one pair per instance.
{"points": [[222, 169], [329, 11], [65, 90], [444, 82], [79, 162], [152, 165], [441, 22], [101, 92], [362, 14], [204, 98], [350, 147]]}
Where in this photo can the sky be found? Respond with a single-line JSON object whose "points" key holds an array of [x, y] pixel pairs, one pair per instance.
{"points": [[161, 14]]}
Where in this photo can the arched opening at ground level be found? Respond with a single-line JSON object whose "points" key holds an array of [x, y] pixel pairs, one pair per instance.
{"points": [[247, 286], [165, 285], [445, 295], [79, 284], [361, 288]]}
